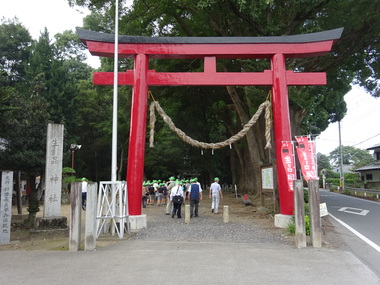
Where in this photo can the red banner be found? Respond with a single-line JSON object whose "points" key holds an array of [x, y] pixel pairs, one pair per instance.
{"points": [[287, 155], [306, 157]]}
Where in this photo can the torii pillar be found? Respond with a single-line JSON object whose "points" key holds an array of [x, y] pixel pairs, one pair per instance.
{"points": [[276, 49]]}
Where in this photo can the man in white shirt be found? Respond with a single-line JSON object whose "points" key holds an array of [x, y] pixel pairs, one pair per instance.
{"points": [[177, 190], [84, 192], [215, 195]]}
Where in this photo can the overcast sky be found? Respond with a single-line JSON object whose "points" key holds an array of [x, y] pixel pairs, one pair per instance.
{"points": [[55, 15], [360, 127], [35, 15]]}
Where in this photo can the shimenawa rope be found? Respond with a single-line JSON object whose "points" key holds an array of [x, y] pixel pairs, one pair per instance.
{"points": [[268, 122]]}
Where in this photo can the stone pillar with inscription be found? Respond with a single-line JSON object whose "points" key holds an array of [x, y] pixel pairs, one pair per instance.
{"points": [[53, 171], [6, 206]]}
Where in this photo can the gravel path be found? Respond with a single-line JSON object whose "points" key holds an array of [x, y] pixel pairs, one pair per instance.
{"points": [[244, 226]]}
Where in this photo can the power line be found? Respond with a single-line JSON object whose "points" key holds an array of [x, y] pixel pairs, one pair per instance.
{"points": [[367, 139]]}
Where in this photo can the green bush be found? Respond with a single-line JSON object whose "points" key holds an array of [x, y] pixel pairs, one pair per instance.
{"points": [[333, 181], [307, 224], [67, 170], [291, 227], [70, 179]]}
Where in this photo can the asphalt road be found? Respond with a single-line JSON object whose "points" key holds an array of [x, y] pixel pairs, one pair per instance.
{"points": [[358, 221]]}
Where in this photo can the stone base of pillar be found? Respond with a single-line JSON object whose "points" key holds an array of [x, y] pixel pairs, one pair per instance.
{"points": [[51, 223], [137, 222], [282, 221]]}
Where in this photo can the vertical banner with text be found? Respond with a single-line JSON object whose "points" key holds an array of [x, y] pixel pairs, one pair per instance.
{"points": [[306, 157], [287, 156]]}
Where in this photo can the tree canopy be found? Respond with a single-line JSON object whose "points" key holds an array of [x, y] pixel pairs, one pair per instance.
{"points": [[351, 155]]}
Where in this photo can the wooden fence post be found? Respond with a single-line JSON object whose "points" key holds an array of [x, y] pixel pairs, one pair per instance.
{"points": [[299, 214], [315, 213], [90, 228], [75, 216]]}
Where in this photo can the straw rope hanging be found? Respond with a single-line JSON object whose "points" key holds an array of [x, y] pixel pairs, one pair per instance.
{"points": [[268, 122]]}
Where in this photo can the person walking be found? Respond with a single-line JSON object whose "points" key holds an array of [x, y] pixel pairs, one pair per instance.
{"points": [[152, 194], [84, 192], [160, 193], [215, 194], [169, 185], [195, 195], [176, 197]]}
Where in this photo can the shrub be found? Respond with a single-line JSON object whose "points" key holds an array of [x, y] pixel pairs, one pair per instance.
{"points": [[307, 224], [291, 227]]}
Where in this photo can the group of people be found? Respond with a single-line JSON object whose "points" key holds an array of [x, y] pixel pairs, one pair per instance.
{"points": [[175, 192]]}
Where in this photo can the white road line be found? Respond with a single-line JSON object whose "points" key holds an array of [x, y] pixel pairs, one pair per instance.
{"points": [[348, 196], [359, 235], [356, 211]]}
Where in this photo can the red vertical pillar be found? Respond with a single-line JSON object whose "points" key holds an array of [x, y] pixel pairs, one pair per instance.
{"points": [[282, 131], [136, 151]]}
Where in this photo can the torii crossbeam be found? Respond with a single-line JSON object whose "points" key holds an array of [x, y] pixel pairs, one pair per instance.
{"points": [[277, 49]]}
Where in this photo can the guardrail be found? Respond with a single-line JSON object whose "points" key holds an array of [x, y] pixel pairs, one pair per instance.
{"points": [[363, 190]]}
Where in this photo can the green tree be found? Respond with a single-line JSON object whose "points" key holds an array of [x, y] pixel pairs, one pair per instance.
{"points": [[23, 128], [15, 42], [323, 162], [39, 82], [351, 155]]}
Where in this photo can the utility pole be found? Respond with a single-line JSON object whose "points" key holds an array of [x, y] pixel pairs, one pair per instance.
{"points": [[341, 158]]}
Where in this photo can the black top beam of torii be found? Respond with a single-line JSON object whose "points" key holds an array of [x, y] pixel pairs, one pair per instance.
{"points": [[335, 34], [312, 44]]}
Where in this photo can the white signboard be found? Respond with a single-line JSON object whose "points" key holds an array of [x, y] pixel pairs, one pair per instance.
{"points": [[323, 209], [267, 178]]}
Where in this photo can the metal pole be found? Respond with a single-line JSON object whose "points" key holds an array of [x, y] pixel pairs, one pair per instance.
{"points": [[114, 114], [72, 159], [115, 97], [341, 158]]}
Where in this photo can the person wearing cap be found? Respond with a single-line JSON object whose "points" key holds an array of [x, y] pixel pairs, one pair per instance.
{"points": [[197, 182], [164, 193], [84, 193], [186, 187], [215, 195], [195, 194], [160, 193], [177, 190], [155, 186], [152, 194], [169, 185], [145, 195]]}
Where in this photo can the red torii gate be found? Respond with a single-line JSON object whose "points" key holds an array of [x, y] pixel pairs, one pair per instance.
{"points": [[277, 49]]}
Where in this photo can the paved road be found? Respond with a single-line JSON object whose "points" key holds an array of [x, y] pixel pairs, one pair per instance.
{"points": [[157, 262], [206, 251], [358, 222]]}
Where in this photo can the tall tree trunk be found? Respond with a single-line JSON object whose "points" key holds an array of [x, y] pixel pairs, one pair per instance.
{"points": [[253, 152], [33, 203]]}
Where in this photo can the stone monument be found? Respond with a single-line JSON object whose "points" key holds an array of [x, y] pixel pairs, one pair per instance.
{"points": [[53, 180], [6, 206]]}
